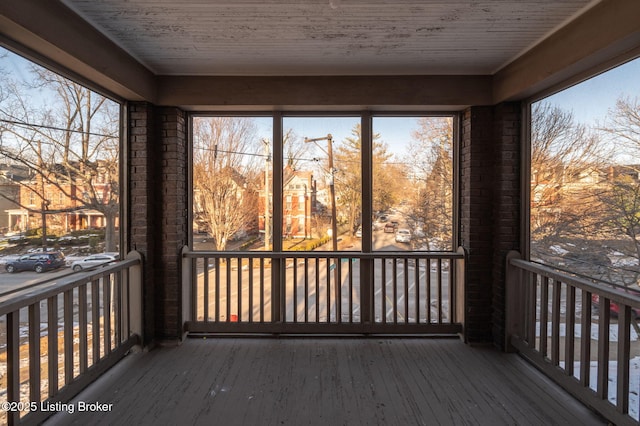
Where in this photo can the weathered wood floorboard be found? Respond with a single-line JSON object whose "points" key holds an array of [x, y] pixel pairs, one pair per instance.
{"points": [[342, 381]]}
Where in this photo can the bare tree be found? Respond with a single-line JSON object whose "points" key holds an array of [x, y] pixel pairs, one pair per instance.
{"points": [[70, 143], [431, 163], [294, 149], [226, 159], [624, 123], [620, 200], [566, 160]]}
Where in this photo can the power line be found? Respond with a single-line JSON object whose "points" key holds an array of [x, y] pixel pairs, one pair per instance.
{"points": [[42, 126]]}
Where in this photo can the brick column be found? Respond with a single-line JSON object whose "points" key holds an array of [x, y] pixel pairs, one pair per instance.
{"points": [[489, 213], [476, 185], [144, 202], [158, 213], [173, 140], [506, 205]]}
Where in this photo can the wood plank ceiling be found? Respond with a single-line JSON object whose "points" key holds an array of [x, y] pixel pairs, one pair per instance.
{"points": [[326, 37]]}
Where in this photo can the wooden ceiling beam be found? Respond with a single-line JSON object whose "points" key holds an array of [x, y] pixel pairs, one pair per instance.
{"points": [[395, 92], [604, 36]]}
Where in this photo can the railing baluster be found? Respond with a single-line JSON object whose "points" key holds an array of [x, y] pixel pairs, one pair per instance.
{"points": [[531, 284], [452, 292], [604, 323], [624, 347], [427, 304], [228, 289], [383, 284], [555, 323], [544, 315], [13, 364], [317, 290], [338, 289], [251, 284], [585, 342], [82, 325], [395, 290], [406, 290], [439, 279], [239, 285], [328, 280], [106, 313], [194, 286], [68, 336], [95, 319], [306, 289], [34, 352], [118, 307], [262, 290], [205, 290], [569, 352], [295, 289], [350, 298], [217, 293], [416, 280]]}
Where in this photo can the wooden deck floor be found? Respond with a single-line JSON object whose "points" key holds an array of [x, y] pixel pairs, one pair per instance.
{"points": [[327, 381]]}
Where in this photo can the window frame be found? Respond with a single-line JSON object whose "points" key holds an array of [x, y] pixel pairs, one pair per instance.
{"points": [[277, 190]]}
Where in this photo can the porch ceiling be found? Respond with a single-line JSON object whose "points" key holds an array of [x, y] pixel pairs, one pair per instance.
{"points": [[326, 37], [286, 52]]}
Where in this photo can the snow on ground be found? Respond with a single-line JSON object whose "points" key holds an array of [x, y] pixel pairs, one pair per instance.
{"points": [[634, 382], [613, 331], [634, 365]]}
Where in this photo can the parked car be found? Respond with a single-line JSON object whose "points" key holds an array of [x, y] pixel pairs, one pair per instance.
{"points": [[93, 261], [403, 236], [613, 307], [38, 262], [390, 228]]}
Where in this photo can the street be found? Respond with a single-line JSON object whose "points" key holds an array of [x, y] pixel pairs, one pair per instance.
{"points": [[11, 282]]}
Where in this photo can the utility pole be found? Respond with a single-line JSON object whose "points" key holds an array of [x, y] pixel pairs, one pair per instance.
{"points": [[43, 202], [266, 194], [332, 190]]}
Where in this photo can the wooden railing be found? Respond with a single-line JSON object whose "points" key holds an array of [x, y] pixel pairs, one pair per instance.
{"points": [[582, 333], [323, 292], [60, 336]]}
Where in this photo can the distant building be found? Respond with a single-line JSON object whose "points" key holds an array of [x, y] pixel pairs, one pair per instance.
{"points": [[65, 203], [298, 203], [10, 178]]}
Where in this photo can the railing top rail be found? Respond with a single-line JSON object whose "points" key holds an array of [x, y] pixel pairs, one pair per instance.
{"points": [[324, 254], [11, 302], [610, 291]]}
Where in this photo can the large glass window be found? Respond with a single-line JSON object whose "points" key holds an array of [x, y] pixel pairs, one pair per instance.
{"points": [[412, 183], [232, 183], [321, 158], [585, 177], [322, 181], [59, 165]]}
